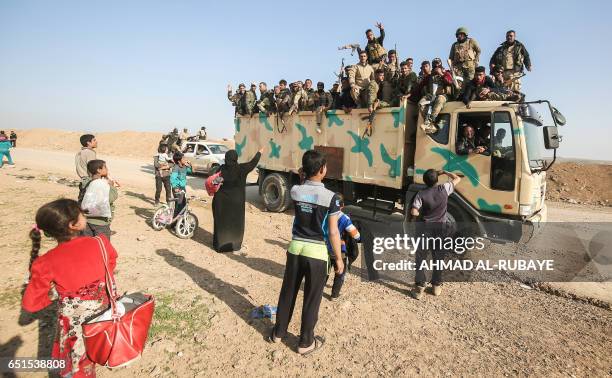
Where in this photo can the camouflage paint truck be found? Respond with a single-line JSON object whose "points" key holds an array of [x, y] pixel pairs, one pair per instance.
{"points": [[499, 195]]}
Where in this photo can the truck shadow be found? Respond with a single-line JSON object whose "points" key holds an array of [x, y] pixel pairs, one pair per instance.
{"points": [[235, 297]]}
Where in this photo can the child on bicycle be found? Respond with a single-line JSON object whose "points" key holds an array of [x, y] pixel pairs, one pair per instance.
{"points": [[178, 181], [347, 229]]}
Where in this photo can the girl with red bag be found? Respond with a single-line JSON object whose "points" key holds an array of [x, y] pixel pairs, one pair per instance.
{"points": [[76, 272]]}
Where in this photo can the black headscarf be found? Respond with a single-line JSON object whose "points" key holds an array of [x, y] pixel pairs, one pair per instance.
{"points": [[230, 171]]}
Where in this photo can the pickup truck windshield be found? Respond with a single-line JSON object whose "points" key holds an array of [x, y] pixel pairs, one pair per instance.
{"points": [[217, 148]]}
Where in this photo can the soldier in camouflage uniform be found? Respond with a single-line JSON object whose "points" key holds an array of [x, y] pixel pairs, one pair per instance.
{"points": [[309, 101], [391, 67], [482, 88], [404, 84], [266, 102], [238, 99], [380, 92], [440, 91], [282, 98], [335, 94], [506, 86], [374, 48], [298, 97], [360, 75], [251, 99], [465, 55], [512, 57], [322, 102]]}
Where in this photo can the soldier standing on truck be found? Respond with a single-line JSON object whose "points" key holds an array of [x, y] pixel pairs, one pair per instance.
{"points": [[282, 98], [465, 54], [322, 102], [511, 56], [374, 48], [202, 133], [430, 205], [251, 99], [360, 75]]}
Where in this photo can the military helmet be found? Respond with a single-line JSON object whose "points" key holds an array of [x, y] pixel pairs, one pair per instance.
{"points": [[462, 29]]}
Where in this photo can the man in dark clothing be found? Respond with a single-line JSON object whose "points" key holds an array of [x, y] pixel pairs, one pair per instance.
{"points": [[321, 102], [478, 88], [13, 138], [346, 102], [430, 205], [374, 48], [316, 221], [511, 56]]}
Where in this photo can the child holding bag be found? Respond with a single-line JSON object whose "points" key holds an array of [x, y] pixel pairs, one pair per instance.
{"points": [[76, 270]]}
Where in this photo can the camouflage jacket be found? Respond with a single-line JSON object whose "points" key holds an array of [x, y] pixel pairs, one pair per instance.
{"points": [[375, 50], [466, 53], [283, 100], [239, 101], [521, 56]]}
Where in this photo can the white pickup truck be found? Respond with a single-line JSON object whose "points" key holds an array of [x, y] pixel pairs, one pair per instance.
{"points": [[204, 156]]}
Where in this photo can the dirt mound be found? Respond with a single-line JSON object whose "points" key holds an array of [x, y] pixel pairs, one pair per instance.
{"points": [[134, 144], [580, 183]]}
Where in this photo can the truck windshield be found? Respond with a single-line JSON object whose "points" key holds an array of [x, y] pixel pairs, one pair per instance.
{"points": [[217, 148], [534, 138]]}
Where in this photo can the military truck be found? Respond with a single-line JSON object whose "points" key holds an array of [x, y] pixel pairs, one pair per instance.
{"points": [[502, 195]]}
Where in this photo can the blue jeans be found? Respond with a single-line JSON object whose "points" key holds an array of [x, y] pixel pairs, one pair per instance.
{"points": [[8, 157]]}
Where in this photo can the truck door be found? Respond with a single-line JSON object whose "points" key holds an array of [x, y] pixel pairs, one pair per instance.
{"points": [[490, 176]]}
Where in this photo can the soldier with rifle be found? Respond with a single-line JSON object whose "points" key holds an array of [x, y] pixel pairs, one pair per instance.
{"points": [[380, 95], [512, 57]]}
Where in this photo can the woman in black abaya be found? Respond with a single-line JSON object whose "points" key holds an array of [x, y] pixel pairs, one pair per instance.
{"points": [[228, 203]]}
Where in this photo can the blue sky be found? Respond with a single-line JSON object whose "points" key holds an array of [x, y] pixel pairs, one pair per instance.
{"points": [[152, 65]]}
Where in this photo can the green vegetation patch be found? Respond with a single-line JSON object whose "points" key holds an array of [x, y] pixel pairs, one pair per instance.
{"points": [[176, 316]]}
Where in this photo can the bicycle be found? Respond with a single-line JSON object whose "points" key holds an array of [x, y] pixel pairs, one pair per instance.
{"points": [[185, 222]]}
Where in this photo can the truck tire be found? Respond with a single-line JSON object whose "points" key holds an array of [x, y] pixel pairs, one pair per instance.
{"points": [[276, 192]]}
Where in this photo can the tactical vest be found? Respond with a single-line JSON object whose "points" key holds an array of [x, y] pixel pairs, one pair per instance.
{"points": [[517, 57], [464, 52], [376, 52]]}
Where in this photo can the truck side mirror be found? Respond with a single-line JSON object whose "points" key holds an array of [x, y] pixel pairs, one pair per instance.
{"points": [[551, 137], [559, 118]]}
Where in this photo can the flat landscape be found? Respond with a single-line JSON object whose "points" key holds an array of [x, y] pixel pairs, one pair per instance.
{"points": [[204, 299]]}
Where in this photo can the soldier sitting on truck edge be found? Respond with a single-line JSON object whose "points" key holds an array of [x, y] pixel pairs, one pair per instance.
{"points": [[360, 75], [346, 102], [430, 205], [443, 80], [266, 99], [322, 102], [404, 84], [308, 102], [467, 144], [505, 86]]}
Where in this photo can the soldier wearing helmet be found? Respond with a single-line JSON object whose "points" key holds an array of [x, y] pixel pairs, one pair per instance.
{"points": [[465, 55]]}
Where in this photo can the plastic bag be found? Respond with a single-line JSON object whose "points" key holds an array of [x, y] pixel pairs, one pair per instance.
{"points": [[96, 199]]}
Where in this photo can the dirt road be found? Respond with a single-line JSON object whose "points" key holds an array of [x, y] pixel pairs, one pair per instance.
{"points": [[203, 324]]}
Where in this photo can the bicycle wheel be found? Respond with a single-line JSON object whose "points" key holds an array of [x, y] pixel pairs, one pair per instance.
{"points": [[161, 217], [186, 226]]}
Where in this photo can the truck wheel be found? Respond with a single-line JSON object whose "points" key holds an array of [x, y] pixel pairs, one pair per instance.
{"points": [[275, 192]]}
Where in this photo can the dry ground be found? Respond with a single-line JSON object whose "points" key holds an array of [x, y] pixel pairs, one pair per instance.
{"points": [[202, 324]]}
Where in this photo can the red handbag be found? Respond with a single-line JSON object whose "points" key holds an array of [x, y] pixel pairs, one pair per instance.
{"points": [[213, 183], [113, 339]]}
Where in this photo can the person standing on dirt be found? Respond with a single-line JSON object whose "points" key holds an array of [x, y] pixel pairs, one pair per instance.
{"points": [[13, 138], [161, 163], [228, 202], [5, 150], [84, 156], [316, 220], [430, 206]]}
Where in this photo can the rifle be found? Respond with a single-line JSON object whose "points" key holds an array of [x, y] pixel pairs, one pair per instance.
{"points": [[340, 74], [397, 67], [512, 79], [353, 47], [450, 67]]}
